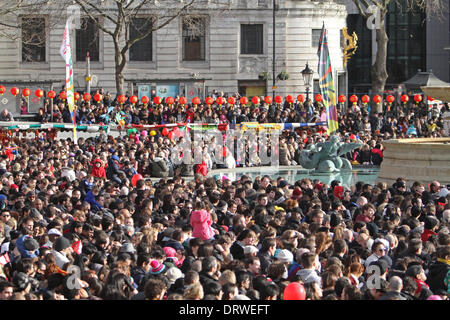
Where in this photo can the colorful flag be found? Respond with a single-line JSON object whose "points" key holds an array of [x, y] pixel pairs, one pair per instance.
{"points": [[326, 83], [66, 54]]}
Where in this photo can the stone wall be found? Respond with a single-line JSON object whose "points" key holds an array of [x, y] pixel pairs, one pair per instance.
{"points": [[422, 159]]}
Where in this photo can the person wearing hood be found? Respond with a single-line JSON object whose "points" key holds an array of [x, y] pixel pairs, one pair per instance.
{"points": [[91, 199], [27, 247], [62, 250], [113, 169], [159, 168], [98, 170], [201, 221], [308, 274]]}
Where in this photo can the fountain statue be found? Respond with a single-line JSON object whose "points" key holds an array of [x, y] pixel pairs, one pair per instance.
{"points": [[326, 156]]}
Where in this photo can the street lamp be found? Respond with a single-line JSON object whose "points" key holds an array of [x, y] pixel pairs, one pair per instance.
{"points": [[307, 77]]}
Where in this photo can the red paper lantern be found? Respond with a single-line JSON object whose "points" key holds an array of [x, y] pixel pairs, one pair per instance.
{"points": [[145, 100], [244, 100], [165, 132], [134, 99], [63, 95], [318, 97], [390, 98], [279, 99], [231, 100], [76, 96], [157, 100], [15, 91], [300, 98], [268, 99], [51, 94], [182, 101], [353, 98], [220, 101], [290, 99], [170, 100], [26, 92], [342, 98], [87, 97], [196, 100], [404, 98], [39, 93], [209, 101], [255, 100], [365, 98], [417, 98], [377, 98], [2, 90], [98, 97], [430, 98]]}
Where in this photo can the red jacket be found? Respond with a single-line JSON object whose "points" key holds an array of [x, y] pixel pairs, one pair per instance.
{"points": [[98, 172], [426, 234], [201, 224]]}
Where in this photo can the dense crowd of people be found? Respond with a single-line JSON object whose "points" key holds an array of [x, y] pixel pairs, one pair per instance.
{"points": [[356, 121], [85, 221], [77, 224]]}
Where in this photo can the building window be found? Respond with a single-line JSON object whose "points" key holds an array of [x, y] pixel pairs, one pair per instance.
{"points": [[315, 37], [142, 49], [194, 31], [407, 42], [88, 40], [252, 39], [33, 39]]}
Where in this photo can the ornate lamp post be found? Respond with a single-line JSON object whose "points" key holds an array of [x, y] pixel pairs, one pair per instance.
{"points": [[307, 78]]}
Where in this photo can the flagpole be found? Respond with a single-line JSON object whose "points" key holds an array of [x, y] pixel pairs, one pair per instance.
{"points": [[66, 53]]}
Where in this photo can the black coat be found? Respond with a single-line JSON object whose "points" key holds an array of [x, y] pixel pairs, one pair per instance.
{"points": [[436, 275]]}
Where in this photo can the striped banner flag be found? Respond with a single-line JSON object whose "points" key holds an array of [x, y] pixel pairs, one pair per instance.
{"points": [[66, 54], [326, 83]]}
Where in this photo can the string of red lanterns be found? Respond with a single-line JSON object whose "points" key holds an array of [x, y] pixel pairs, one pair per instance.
{"points": [[365, 99]]}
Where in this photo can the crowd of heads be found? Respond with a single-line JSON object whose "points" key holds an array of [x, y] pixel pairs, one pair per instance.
{"points": [[72, 227], [76, 223], [357, 122]]}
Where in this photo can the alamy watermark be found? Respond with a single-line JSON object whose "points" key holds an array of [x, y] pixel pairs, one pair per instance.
{"points": [[374, 19]]}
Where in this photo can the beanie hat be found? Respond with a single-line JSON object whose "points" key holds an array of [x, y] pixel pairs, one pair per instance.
{"points": [[430, 222], [30, 244], [127, 247], [297, 192], [157, 267], [284, 256], [170, 252], [61, 243], [173, 274]]}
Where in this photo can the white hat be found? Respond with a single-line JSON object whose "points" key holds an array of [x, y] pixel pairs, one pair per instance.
{"points": [[285, 255], [173, 274], [55, 232], [250, 249]]}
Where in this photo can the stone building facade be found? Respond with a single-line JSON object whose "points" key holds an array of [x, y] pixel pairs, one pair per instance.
{"points": [[235, 49]]}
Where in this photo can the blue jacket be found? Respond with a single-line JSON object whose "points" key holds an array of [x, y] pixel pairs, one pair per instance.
{"points": [[90, 198]]}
